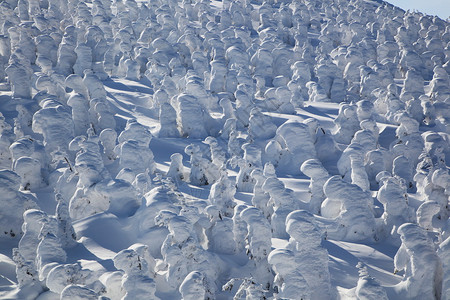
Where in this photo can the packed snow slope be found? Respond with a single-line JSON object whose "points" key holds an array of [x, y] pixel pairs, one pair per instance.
{"points": [[238, 149]]}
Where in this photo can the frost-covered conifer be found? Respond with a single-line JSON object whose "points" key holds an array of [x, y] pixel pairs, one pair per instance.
{"points": [[193, 286], [260, 126], [133, 148], [392, 194], [248, 289], [433, 213], [80, 113], [217, 153], [364, 110], [218, 75], [46, 47], [413, 85], [422, 265], [136, 281], [6, 138], [326, 146], [429, 111], [142, 183], [295, 137], [93, 84], [19, 79], [275, 154], [260, 198], [439, 84], [108, 138], [54, 122], [202, 172], [358, 172], [314, 169], [239, 227], [316, 93], [62, 276], [346, 124], [220, 232], [243, 106], [227, 109], [352, 209], [195, 88], [160, 198], [258, 244], [88, 161], [427, 213], [222, 194], [28, 147], [180, 244], [401, 167], [89, 198], [75, 82], [215, 73], [51, 84], [366, 138], [32, 224], [407, 126], [176, 169], [282, 201], [132, 69], [326, 72], [66, 233], [311, 258], [188, 113], [289, 280], [15, 203], [66, 51], [168, 121], [250, 161], [101, 115], [49, 249], [344, 164], [29, 169], [26, 274]]}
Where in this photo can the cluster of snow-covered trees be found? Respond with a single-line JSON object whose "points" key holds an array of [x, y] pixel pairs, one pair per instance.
{"points": [[219, 70]]}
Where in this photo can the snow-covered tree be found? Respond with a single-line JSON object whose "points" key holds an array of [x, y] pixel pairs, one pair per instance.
{"points": [[222, 194], [202, 171], [188, 113], [220, 232], [319, 175], [176, 169], [392, 194], [351, 207], [296, 138], [289, 280], [193, 286], [133, 148], [15, 203], [417, 256], [168, 120], [258, 244], [54, 122], [135, 282]]}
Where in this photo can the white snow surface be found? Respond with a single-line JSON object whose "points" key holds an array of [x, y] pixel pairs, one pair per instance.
{"points": [[234, 149]]}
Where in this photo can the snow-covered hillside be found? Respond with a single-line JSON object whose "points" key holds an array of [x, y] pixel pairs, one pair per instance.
{"points": [[238, 149]]}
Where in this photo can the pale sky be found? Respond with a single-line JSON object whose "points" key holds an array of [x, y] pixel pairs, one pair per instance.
{"points": [[440, 8]]}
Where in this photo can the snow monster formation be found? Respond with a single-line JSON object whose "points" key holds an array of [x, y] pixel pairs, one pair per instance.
{"points": [[234, 149]]}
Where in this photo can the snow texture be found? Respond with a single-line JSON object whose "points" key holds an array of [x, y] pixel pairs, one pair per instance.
{"points": [[235, 149]]}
